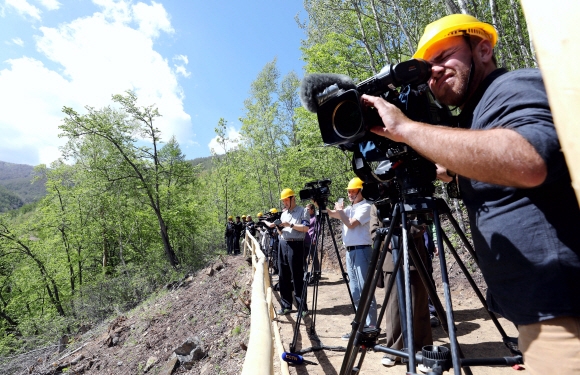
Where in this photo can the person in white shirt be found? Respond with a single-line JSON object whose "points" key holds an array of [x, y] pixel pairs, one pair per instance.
{"points": [[356, 236]]}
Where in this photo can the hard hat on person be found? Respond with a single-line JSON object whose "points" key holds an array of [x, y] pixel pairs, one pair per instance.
{"points": [[230, 218], [355, 183], [286, 193], [243, 216], [454, 25], [273, 211], [260, 214]]}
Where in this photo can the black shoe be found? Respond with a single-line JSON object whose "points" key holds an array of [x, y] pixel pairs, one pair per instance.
{"points": [[434, 321]]}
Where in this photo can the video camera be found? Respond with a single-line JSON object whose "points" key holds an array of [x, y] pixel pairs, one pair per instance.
{"points": [[318, 191], [269, 216], [397, 169]]}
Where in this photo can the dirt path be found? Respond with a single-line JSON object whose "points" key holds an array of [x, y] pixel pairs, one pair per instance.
{"points": [[476, 333]]}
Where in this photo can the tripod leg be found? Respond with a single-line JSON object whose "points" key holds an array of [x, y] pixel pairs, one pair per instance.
{"points": [[474, 286], [455, 357], [408, 299], [344, 274]]}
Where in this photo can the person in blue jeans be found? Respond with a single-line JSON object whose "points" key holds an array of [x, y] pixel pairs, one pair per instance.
{"points": [[356, 236]]}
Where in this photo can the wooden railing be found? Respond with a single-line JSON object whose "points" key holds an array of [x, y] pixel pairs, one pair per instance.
{"points": [[264, 333]]}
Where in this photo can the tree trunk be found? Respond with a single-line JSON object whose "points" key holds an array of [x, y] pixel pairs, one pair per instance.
{"points": [[364, 37], [171, 257]]}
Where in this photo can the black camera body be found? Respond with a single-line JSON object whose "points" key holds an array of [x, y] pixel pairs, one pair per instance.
{"points": [[318, 191], [271, 217], [341, 117], [344, 122]]}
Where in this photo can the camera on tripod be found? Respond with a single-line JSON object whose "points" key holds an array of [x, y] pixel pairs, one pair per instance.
{"points": [[341, 117], [318, 191], [345, 122]]}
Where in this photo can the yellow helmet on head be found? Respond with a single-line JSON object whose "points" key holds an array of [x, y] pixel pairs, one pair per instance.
{"points": [[286, 193], [273, 211], [230, 217], [260, 214], [355, 183], [243, 216], [454, 25]]}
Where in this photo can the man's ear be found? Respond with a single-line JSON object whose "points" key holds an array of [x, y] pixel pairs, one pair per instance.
{"points": [[484, 51]]}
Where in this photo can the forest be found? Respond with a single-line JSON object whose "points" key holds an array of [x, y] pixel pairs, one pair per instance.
{"points": [[125, 212]]}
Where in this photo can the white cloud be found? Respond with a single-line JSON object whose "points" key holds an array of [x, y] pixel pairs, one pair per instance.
{"points": [[18, 41], [233, 138], [152, 19], [180, 68], [182, 58], [97, 56], [24, 8], [50, 4]]}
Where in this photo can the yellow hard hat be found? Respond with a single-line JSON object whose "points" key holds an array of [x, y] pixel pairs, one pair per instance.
{"points": [[230, 217], [454, 25], [243, 216], [286, 193], [355, 183], [273, 211], [260, 214]]}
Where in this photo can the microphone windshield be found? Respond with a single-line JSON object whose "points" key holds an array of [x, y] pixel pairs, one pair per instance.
{"points": [[314, 84]]}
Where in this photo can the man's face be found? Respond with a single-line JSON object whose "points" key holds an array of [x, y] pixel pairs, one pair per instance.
{"points": [[451, 60], [287, 202], [352, 194], [237, 219], [311, 211]]}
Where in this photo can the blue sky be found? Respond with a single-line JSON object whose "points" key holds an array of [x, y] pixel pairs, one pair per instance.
{"points": [[194, 59]]}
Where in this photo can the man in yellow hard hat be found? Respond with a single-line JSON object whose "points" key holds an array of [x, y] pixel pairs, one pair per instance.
{"points": [[513, 180], [294, 223], [356, 236]]}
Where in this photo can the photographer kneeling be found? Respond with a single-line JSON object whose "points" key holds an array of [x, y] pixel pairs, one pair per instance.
{"points": [[513, 180], [293, 224], [356, 236]]}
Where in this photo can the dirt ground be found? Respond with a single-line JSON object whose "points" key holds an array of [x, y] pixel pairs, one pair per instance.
{"points": [[209, 307], [477, 335]]}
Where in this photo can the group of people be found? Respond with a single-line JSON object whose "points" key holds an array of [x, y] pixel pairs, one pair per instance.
{"points": [[235, 232], [505, 156]]}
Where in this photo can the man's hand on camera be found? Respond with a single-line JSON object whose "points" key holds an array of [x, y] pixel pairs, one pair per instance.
{"points": [[443, 174], [393, 119]]}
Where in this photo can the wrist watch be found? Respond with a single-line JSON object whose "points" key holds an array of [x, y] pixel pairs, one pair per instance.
{"points": [[291, 225]]}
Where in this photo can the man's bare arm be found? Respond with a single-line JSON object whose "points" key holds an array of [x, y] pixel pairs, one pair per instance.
{"points": [[498, 156]]}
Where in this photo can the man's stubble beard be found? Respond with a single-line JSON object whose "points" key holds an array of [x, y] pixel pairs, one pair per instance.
{"points": [[455, 95]]}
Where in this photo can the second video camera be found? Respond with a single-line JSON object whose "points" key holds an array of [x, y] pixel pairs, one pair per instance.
{"points": [[316, 190]]}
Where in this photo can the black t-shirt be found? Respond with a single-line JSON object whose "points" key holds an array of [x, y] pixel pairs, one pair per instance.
{"points": [[525, 239]]}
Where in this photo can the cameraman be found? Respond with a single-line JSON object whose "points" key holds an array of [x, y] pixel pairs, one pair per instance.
{"points": [[294, 222], [513, 180], [356, 235]]}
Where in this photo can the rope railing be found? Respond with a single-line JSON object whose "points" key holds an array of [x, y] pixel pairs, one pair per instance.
{"points": [[264, 334]]}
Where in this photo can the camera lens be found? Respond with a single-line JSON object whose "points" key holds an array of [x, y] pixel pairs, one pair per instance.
{"points": [[347, 119]]}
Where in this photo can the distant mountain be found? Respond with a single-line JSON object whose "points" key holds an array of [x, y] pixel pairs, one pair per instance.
{"points": [[16, 187], [204, 162]]}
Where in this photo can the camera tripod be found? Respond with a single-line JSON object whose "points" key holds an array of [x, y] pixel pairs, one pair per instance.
{"points": [[437, 358], [314, 273]]}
